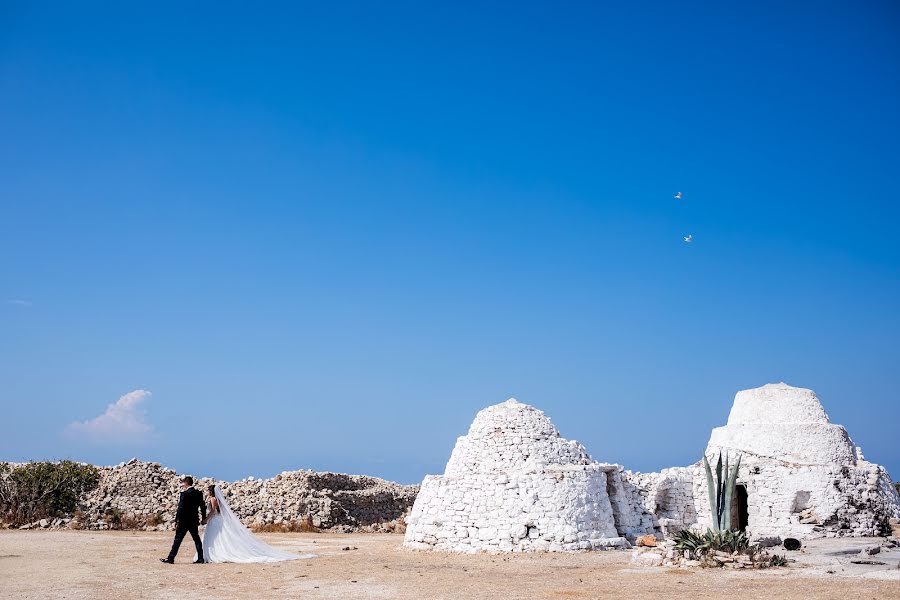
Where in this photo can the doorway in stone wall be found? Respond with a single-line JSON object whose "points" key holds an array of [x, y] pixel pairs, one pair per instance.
{"points": [[614, 504], [739, 513]]}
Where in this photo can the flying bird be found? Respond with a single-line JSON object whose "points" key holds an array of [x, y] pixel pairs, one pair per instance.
{"points": [[689, 238], [678, 196]]}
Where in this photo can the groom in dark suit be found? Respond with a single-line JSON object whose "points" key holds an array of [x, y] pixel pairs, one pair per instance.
{"points": [[187, 520]]}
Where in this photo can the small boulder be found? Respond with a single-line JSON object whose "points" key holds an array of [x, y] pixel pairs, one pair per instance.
{"points": [[767, 542], [647, 559], [870, 551], [648, 541]]}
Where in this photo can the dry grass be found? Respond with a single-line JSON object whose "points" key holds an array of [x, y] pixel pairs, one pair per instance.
{"points": [[303, 525], [123, 521], [400, 526]]}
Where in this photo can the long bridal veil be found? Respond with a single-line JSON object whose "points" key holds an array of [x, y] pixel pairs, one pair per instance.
{"points": [[229, 541]]}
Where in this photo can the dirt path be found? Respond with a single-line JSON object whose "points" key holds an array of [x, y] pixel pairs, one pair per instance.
{"points": [[124, 565]]}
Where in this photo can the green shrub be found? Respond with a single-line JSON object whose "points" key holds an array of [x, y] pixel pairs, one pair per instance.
{"points": [[39, 490]]}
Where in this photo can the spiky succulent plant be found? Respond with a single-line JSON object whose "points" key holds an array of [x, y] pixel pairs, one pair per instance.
{"points": [[721, 491]]}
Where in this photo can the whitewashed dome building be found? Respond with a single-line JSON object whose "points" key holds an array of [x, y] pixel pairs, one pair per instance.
{"points": [[800, 474], [514, 484]]}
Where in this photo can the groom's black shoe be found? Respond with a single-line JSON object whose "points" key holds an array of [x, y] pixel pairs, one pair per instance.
{"points": [[199, 561], [168, 561]]}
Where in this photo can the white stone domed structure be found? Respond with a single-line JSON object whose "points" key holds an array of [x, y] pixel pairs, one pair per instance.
{"points": [[800, 474], [514, 484], [784, 422]]}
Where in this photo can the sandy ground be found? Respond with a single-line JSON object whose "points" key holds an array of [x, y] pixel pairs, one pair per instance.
{"points": [[124, 565]]}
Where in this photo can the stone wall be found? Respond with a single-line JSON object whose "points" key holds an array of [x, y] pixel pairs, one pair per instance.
{"points": [[810, 501], [668, 496], [145, 495]]}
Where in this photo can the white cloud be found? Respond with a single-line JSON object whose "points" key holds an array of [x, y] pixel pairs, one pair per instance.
{"points": [[19, 302], [124, 420]]}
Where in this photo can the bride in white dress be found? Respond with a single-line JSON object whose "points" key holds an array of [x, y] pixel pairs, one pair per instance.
{"points": [[225, 538]]}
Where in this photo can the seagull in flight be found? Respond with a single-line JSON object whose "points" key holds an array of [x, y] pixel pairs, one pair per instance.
{"points": [[678, 196], [689, 238]]}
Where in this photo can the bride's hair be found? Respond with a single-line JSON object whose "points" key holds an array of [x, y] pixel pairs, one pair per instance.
{"points": [[212, 490]]}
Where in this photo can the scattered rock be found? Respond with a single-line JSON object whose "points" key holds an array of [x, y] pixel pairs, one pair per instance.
{"points": [[646, 540], [647, 559], [767, 542]]}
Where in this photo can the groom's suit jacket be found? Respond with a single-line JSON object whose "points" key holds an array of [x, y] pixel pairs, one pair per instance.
{"points": [[189, 502]]}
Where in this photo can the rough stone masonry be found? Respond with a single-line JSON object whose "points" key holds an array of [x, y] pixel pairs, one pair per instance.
{"points": [[514, 484], [145, 494]]}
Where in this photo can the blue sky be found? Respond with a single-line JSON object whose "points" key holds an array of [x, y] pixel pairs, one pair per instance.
{"points": [[325, 235]]}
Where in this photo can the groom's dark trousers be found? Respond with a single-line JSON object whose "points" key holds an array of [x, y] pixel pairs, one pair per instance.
{"points": [[187, 521], [180, 532]]}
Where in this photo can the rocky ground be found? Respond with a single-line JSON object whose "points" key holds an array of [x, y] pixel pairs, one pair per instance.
{"points": [[857, 556], [123, 565]]}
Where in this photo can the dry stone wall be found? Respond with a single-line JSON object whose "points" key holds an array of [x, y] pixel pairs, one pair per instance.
{"points": [[668, 496], [145, 495]]}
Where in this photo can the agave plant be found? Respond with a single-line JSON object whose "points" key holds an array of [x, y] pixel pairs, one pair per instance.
{"points": [[711, 541], [721, 491], [694, 542]]}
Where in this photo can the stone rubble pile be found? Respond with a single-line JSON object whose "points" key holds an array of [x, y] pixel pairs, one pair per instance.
{"points": [[144, 495]]}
